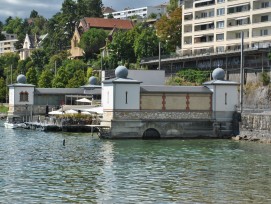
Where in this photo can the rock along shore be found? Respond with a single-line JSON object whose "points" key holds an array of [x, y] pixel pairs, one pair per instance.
{"points": [[255, 127]]}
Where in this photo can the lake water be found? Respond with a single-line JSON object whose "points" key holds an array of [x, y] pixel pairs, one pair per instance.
{"points": [[35, 167]]}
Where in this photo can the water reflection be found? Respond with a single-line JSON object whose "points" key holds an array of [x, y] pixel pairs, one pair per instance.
{"points": [[37, 168]]}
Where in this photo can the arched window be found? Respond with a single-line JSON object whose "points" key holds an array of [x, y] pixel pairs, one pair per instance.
{"points": [[24, 96]]}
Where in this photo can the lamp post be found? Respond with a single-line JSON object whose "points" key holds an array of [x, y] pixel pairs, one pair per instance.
{"points": [[159, 65]]}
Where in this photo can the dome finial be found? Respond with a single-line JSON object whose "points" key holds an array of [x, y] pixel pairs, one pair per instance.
{"points": [[218, 74], [92, 80], [21, 79], [121, 72]]}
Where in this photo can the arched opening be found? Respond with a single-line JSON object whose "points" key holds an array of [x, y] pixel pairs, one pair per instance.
{"points": [[151, 133]]}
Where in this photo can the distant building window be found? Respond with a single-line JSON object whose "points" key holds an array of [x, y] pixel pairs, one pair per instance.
{"points": [[220, 37], [24, 96], [226, 95], [265, 4], [220, 11], [220, 1], [237, 35], [220, 24], [264, 32], [264, 18]]}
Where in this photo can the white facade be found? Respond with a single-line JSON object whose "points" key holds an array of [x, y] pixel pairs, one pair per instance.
{"points": [[15, 92], [107, 97], [120, 95], [127, 97], [7, 45], [214, 26], [142, 12]]}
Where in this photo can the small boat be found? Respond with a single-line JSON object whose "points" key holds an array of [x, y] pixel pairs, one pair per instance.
{"points": [[13, 122], [10, 125]]}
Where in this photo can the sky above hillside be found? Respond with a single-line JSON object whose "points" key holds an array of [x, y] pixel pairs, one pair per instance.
{"points": [[47, 8]]}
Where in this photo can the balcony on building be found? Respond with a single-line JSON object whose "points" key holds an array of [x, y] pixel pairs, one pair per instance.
{"points": [[238, 8], [238, 21], [208, 38], [203, 50], [208, 13], [261, 5], [188, 28], [203, 3], [188, 16], [204, 26]]}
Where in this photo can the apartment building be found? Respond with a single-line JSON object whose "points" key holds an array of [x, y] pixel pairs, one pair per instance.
{"points": [[215, 26], [8, 45], [143, 12]]}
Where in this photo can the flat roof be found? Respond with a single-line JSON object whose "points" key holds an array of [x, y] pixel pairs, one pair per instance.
{"points": [[175, 89], [61, 91]]}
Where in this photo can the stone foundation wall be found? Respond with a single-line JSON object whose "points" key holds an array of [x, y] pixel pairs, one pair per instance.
{"points": [[153, 115], [255, 127]]}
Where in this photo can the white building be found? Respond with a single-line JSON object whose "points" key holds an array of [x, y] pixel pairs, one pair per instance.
{"points": [[216, 25], [8, 45], [143, 12], [134, 110]]}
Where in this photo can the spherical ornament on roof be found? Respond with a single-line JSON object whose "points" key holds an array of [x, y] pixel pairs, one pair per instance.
{"points": [[121, 72], [92, 80], [218, 74], [21, 79]]}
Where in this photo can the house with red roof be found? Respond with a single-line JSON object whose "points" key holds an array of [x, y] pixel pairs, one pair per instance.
{"points": [[109, 25]]}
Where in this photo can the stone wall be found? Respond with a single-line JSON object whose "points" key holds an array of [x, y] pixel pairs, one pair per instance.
{"points": [[256, 127], [165, 115]]}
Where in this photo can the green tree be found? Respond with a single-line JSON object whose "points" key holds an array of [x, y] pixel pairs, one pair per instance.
{"points": [[173, 4], [146, 44], [3, 90], [110, 16], [69, 18], [77, 80], [34, 14], [61, 78], [39, 59], [2, 37], [169, 29], [45, 79], [22, 65], [121, 48], [152, 16], [91, 42], [31, 76], [90, 8]]}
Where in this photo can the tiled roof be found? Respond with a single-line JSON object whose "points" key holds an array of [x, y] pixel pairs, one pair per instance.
{"points": [[107, 23]]}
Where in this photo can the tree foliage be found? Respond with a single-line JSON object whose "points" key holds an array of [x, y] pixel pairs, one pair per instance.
{"points": [[91, 42], [169, 29], [173, 4], [45, 79]]}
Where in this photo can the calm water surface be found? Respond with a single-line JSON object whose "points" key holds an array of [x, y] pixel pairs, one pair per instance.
{"points": [[35, 167]]}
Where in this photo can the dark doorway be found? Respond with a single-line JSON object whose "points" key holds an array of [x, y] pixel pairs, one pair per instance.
{"points": [[151, 133]]}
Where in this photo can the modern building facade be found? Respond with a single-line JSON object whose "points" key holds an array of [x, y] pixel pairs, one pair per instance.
{"points": [[215, 26], [8, 45], [143, 12], [211, 37]]}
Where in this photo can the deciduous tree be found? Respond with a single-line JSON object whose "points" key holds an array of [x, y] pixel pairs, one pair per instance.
{"points": [[169, 29]]}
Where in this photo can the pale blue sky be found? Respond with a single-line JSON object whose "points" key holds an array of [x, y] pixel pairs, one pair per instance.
{"points": [[47, 8]]}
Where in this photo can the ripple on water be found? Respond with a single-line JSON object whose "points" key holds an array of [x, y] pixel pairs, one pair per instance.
{"points": [[35, 167]]}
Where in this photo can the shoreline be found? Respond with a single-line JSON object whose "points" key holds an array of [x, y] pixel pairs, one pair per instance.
{"points": [[260, 136]]}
